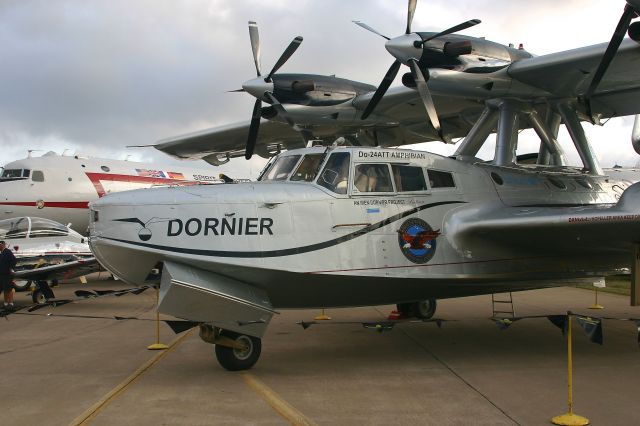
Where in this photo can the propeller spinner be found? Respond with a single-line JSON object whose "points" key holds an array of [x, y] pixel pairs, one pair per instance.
{"points": [[407, 49], [262, 87]]}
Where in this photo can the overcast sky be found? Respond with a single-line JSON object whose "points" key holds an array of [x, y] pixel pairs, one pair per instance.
{"points": [[94, 76]]}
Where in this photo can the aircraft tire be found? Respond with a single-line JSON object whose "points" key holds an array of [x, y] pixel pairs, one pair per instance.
{"points": [[232, 359], [38, 297], [425, 309]]}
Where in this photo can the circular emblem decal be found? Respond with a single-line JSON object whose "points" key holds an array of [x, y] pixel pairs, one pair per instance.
{"points": [[417, 240], [40, 204], [144, 234]]}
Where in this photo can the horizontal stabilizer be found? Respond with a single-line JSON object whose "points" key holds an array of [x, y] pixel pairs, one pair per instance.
{"points": [[206, 297]]}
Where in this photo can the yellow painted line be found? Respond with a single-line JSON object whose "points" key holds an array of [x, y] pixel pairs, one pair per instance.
{"points": [[90, 413], [282, 407]]}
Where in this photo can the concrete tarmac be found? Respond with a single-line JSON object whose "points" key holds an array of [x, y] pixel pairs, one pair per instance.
{"points": [[58, 369]]}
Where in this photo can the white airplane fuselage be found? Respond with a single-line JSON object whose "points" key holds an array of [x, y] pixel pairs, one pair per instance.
{"points": [[60, 187], [307, 245]]}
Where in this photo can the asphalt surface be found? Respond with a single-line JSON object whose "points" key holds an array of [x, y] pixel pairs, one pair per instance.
{"points": [[59, 369]]}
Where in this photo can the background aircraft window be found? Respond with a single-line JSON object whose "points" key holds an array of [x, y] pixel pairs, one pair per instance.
{"points": [[308, 168], [12, 173], [372, 178], [14, 228], [335, 175], [408, 178], [438, 179], [105, 168], [26, 173], [45, 228], [282, 167], [37, 176]]}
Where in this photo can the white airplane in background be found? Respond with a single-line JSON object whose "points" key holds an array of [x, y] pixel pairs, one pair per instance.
{"points": [[60, 187]]}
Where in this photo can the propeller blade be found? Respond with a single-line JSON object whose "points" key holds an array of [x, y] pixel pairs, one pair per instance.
{"points": [[293, 46], [382, 89], [255, 45], [367, 27], [411, 11], [454, 29], [280, 109], [253, 129], [612, 48], [423, 89], [237, 90]]}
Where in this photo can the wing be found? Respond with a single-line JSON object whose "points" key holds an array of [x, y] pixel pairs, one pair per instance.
{"points": [[60, 271], [213, 145], [568, 75]]}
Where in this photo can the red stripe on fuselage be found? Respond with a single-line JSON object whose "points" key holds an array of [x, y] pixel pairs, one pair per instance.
{"points": [[58, 204]]}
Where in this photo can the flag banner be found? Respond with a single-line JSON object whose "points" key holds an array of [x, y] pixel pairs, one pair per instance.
{"points": [[600, 283], [151, 173], [560, 321], [175, 175], [593, 328]]}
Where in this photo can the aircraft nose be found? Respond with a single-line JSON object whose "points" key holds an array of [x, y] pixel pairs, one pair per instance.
{"points": [[257, 87], [402, 47]]}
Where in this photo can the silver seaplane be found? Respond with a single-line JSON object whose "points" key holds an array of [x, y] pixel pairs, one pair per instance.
{"points": [[339, 226]]}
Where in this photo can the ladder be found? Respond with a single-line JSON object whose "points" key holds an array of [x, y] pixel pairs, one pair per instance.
{"points": [[502, 306]]}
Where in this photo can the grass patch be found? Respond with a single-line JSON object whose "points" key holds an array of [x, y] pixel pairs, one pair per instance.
{"points": [[617, 284]]}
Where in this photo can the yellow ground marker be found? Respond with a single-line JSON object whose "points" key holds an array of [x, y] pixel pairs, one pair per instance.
{"points": [[90, 413], [282, 407], [322, 317], [157, 346]]}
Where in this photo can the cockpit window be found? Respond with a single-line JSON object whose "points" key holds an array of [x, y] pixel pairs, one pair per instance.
{"points": [[308, 168], [335, 175], [14, 228], [37, 176], [408, 178], [281, 168], [46, 228], [372, 178], [14, 174]]}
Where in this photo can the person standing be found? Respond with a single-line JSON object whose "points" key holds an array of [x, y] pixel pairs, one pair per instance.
{"points": [[7, 263]]}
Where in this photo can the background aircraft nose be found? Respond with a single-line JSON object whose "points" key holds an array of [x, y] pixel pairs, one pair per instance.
{"points": [[257, 87], [402, 47]]}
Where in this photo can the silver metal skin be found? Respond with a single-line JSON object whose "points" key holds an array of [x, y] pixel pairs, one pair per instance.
{"points": [[635, 134], [548, 139], [403, 49], [570, 118], [507, 137], [257, 87]]}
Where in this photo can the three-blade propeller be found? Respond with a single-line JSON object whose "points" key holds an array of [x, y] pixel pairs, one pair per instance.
{"points": [[630, 12], [406, 48], [262, 87]]}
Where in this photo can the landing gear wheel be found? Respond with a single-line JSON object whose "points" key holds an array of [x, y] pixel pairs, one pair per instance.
{"points": [[42, 293], [425, 309], [236, 359], [38, 297]]}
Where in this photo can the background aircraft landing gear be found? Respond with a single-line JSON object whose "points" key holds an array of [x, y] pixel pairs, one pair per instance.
{"points": [[244, 353], [42, 293], [423, 309]]}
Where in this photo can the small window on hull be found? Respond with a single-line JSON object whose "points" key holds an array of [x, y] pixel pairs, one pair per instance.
{"points": [[37, 176], [408, 178], [372, 178], [439, 179]]}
